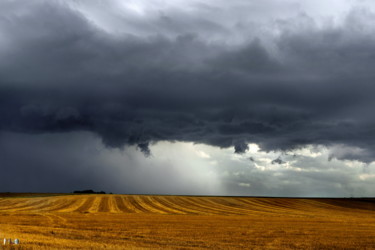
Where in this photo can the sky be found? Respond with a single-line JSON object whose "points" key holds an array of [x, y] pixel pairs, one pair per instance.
{"points": [[200, 97]]}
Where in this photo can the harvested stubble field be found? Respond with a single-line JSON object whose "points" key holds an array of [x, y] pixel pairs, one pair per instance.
{"points": [[142, 221]]}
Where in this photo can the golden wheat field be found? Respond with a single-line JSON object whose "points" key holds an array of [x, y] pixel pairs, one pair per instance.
{"points": [[184, 222]]}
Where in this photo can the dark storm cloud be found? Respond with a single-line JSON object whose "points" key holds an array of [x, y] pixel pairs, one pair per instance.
{"points": [[60, 72]]}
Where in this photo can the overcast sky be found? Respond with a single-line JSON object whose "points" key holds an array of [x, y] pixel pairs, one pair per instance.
{"points": [[241, 97]]}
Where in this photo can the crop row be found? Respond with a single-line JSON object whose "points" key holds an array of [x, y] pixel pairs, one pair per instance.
{"points": [[178, 205]]}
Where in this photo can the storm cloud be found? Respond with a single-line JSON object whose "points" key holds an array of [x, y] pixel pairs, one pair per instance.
{"points": [[207, 72], [309, 84]]}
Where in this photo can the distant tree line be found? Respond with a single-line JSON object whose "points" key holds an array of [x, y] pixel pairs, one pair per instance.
{"points": [[89, 191]]}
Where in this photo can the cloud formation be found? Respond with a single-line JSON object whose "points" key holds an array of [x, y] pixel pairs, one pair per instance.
{"points": [[143, 74]]}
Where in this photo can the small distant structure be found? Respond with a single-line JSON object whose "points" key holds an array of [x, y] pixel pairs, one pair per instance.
{"points": [[89, 191]]}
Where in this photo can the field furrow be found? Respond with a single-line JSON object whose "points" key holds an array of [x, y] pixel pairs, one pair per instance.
{"points": [[62, 204], [104, 205], [185, 202], [203, 205], [258, 206], [225, 209], [151, 207], [121, 205], [157, 200], [194, 204], [113, 206], [86, 203], [134, 201], [170, 204], [130, 204], [28, 204], [40, 205], [179, 204], [5, 206], [95, 205], [16, 203]]}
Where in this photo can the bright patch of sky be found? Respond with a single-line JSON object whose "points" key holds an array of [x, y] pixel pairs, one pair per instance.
{"points": [[309, 171]]}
